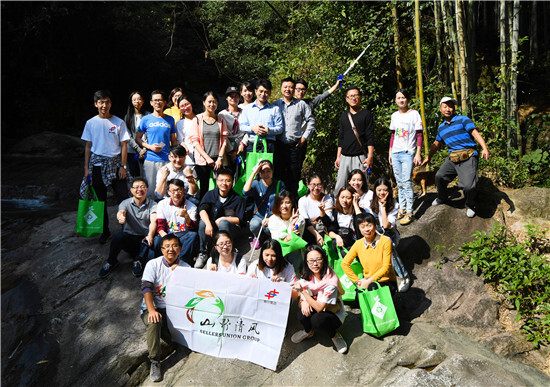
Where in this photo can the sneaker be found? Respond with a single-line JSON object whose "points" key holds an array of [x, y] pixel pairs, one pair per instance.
{"points": [[103, 238], [339, 343], [406, 220], [255, 243], [403, 284], [137, 270], [201, 261], [106, 269], [156, 375], [470, 213], [401, 214], [437, 202], [300, 336]]}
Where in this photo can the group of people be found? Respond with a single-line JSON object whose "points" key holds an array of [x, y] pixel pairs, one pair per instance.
{"points": [[180, 168]]}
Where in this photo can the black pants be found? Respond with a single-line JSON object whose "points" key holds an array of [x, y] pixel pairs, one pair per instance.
{"points": [[120, 188], [134, 165], [203, 173], [128, 242], [324, 321], [288, 164]]}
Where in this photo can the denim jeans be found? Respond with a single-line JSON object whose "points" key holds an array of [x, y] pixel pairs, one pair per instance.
{"points": [[187, 240], [256, 223], [225, 225], [402, 168]]}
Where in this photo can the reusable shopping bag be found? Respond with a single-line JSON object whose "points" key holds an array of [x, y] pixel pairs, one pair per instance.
{"points": [[377, 311], [295, 243], [349, 287], [328, 246], [252, 159], [89, 218], [302, 189]]}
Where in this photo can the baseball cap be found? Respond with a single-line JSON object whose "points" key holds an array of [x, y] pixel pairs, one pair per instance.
{"points": [[448, 99], [231, 89]]}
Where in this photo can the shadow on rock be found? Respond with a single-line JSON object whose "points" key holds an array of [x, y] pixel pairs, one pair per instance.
{"points": [[489, 197], [413, 250]]}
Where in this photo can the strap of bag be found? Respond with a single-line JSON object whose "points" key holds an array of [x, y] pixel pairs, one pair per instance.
{"points": [[357, 134], [264, 142], [266, 196], [94, 197]]}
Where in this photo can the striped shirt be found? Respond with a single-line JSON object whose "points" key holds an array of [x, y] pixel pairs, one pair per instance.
{"points": [[456, 134]]}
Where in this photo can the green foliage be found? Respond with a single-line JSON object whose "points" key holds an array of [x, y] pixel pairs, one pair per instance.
{"points": [[518, 270]]}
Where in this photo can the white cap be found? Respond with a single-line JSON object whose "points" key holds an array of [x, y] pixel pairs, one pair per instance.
{"points": [[448, 99]]}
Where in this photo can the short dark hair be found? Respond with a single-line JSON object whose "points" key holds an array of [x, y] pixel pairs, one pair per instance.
{"points": [[307, 274], [225, 171], [249, 85], [366, 218], [404, 92], [178, 150], [169, 237], [158, 92], [177, 182], [102, 94], [265, 83], [142, 179], [302, 81], [276, 210], [354, 88], [288, 79], [280, 261]]}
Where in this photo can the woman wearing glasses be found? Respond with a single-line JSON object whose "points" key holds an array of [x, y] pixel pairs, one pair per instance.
{"points": [[320, 306], [223, 258], [316, 208]]}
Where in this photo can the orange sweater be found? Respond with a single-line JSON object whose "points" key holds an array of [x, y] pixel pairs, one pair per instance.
{"points": [[376, 261]]}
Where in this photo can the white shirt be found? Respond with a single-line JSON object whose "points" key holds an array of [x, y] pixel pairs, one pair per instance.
{"points": [[405, 126], [172, 175], [392, 216], [309, 208], [287, 275], [105, 134], [233, 269], [279, 228], [183, 129]]}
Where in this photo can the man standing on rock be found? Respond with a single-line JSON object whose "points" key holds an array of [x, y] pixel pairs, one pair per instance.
{"points": [[355, 139], [153, 309], [460, 135], [139, 220], [105, 154], [291, 145]]}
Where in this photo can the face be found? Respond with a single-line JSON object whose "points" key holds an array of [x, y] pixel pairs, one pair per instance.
{"points": [[266, 172], [224, 183], [210, 104], [175, 97], [368, 230], [103, 106], [345, 199], [300, 91], [177, 161], [233, 99], [382, 191], [314, 261], [356, 182], [262, 94], [447, 109], [286, 206], [176, 193], [137, 101], [247, 94], [224, 245], [270, 258], [353, 98], [401, 100], [171, 249], [139, 190], [185, 107], [316, 186], [158, 102], [287, 89]]}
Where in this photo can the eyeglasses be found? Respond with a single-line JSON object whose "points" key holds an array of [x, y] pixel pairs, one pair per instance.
{"points": [[170, 247], [318, 185], [226, 181], [353, 96], [224, 244], [300, 89], [175, 190], [157, 100], [315, 261], [140, 187]]}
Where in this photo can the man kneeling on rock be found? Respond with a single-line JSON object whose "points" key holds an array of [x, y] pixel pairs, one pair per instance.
{"points": [[139, 221], [156, 275]]}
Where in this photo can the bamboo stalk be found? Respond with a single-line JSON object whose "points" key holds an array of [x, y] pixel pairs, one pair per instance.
{"points": [[419, 75], [396, 44]]}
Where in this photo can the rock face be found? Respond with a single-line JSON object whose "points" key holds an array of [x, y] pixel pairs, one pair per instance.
{"points": [[62, 325]]}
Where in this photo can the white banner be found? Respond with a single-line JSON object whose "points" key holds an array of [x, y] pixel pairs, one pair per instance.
{"points": [[228, 315]]}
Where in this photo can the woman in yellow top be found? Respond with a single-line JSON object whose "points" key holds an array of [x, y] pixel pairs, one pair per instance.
{"points": [[172, 107], [374, 252]]}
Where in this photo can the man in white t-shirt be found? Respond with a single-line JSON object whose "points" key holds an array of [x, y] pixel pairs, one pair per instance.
{"points": [[105, 154], [176, 169], [156, 275]]}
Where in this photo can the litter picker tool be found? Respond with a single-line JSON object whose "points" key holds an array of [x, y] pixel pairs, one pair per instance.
{"points": [[260, 233], [341, 77]]}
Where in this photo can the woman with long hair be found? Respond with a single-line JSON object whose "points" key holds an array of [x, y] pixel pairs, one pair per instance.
{"points": [[209, 136], [320, 305], [358, 181], [271, 264], [381, 204], [223, 257], [316, 208], [343, 229], [183, 127], [172, 106], [134, 114]]}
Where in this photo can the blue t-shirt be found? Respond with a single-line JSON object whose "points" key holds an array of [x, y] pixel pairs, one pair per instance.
{"points": [[158, 130], [456, 134], [258, 190]]}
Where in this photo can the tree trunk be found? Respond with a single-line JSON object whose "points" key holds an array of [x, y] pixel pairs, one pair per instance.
{"points": [[453, 50], [533, 42], [503, 82], [438, 38], [471, 39], [514, 42], [419, 73], [462, 56], [396, 44]]}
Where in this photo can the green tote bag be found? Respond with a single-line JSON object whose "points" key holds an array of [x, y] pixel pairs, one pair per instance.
{"points": [[349, 287], [89, 218], [377, 311]]}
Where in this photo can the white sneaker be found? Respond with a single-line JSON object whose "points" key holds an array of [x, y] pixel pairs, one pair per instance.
{"points": [[339, 343], [300, 336], [470, 213], [437, 202], [201, 261], [403, 284]]}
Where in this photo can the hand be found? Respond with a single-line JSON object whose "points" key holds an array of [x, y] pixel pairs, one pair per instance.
{"points": [[365, 282], [287, 238], [383, 199], [425, 162], [218, 164], [121, 216], [276, 279], [339, 241], [485, 154], [219, 220], [142, 153], [337, 164], [208, 230], [321, 206], [122, 173], [253, 275], [164, 172], [417, 159], [86, 172], [154, 317], [369, 161], [183, 212], [149, 240], [389, 159], [297, 286], [265, 222], [301, 142], [213, 267], [258, 168], [356, 198], [306, 308], [260, 130], [241, 149], [319, 238], [156, 147], [209, 161], [173, 267]]}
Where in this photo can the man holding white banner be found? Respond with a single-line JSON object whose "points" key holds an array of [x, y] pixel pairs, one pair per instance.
{"points": [[228, 316]]}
